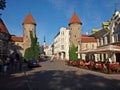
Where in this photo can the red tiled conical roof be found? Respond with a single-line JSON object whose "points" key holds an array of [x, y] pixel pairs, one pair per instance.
{"points": [[75, 19], [29, 20], [3, 27]]}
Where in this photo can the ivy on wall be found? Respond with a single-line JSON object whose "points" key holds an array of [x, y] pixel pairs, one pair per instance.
{"points": [[33, 51], [72, 53]]}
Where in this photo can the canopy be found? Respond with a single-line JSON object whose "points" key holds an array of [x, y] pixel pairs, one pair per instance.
{"points": [[83, 51], [104, 49]]}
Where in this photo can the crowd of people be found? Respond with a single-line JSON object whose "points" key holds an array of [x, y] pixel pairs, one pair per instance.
{"points": [[8, 63]]}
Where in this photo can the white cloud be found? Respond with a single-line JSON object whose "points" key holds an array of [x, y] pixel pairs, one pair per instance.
{"points": [[64, 6], [59, 4]]}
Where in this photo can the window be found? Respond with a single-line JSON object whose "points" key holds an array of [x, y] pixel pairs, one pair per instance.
{"points": [[108, 39], [86, 46], [75, 36], [62, 47], [118, 36], [115, 38], [63, 32], [117, 28], [26, 36], [92, 46], [103, 40]]}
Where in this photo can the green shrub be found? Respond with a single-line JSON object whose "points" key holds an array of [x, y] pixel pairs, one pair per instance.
{"points": [[33, 51], [72, 53], [118, 69]]}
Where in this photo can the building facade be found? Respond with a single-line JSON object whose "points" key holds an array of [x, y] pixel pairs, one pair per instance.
{"points": [[4, 41], [75, 26], [88, 43], [29, 25], [114, 28], [72, 36], [61, 44], [109, 35], [10, 44]]}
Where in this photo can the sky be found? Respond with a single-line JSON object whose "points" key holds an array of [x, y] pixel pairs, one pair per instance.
{"points": [[51, 15]]}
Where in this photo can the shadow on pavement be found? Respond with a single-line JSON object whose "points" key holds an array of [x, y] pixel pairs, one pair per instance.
{"points": [[57, 80], [44, 60], [14, 79], [68, 80]]}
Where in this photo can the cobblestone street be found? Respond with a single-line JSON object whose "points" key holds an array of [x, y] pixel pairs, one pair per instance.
{"points": [[58, 76]]}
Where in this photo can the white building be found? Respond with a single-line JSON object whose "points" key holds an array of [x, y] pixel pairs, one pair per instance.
{"points": [[109, 35], [49, 51], [61, 44]]}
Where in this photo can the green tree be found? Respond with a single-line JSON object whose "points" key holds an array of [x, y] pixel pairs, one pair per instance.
{"points": [[33, 51], [2, 4], [72, 53]]}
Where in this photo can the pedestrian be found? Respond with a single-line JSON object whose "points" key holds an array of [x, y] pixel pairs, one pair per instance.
{"points": [[4, 67], [110, 60], [52, 58], [21, 64], [1, 65], [15, 64], [8, 62]]}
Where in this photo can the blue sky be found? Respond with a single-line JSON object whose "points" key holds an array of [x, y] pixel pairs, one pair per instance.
{"points": [[50, 15]]}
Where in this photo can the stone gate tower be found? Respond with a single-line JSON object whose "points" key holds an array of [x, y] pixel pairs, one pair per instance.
{"points": [[75, 30], [29, 24]]}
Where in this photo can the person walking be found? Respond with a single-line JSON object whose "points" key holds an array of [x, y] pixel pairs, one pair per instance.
{"points": [[52, 58], [5, 67], [1, 65]]}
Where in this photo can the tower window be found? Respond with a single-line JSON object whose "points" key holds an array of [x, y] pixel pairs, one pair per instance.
{"points": [[26, 36]]}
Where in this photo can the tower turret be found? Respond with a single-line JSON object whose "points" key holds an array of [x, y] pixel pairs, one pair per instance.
{"points": [[29, 25], [75, 25]]}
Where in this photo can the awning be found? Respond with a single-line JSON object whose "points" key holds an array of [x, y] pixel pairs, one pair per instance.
{"points": [[104, 49], [84, 51]]}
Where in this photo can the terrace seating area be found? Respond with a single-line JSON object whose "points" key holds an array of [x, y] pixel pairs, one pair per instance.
{"points": [[103, 67]]}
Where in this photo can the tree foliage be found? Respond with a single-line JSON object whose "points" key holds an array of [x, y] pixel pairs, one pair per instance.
{"points": [[33, 51], [2, 4], [72, 53]]}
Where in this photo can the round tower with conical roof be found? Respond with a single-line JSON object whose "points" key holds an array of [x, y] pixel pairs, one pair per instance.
{"points": [[29, 25], [75, 25]]}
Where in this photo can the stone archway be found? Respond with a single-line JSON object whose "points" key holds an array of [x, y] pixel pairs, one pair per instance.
{"points": [[63, 55]]}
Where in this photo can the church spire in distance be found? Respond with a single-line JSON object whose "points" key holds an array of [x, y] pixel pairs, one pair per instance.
{"points": [[44, 41]]}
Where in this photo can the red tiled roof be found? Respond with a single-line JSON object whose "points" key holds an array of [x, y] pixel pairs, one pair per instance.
{"points": [[46, 47], [29, 20], [75, 19], [3, 27], [16, 39], [84, 35], [88, 39]]}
